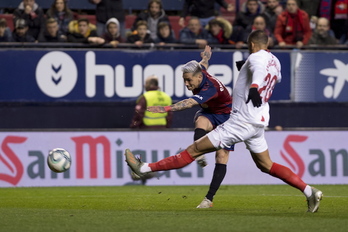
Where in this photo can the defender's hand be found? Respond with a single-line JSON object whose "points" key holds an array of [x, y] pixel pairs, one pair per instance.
{"points": [[239, 64], [254, 96]]}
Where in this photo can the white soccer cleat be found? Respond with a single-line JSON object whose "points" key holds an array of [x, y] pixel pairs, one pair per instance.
{"points": [[206, 203], [313, 201]]}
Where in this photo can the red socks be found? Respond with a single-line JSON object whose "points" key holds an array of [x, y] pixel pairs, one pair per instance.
{"points": [[172, 162], [286, 175]]}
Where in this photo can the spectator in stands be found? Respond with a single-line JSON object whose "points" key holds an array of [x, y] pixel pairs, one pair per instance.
{"points": [[336, 11], [153, 16], [112, 35], [249, 11], [321, 34], [152, 97], [33, 15], [140, 35], [52, 33], [312, 9], [20, 33], [259, 23], [5, 32], [202, 9], [62, 14], [292, 26], [165, 34], [271, 12], [220, 29], [195, 34], [224, 33], [107, 9], [85, 33]]}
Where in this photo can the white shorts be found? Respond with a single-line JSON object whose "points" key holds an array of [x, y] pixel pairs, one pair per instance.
{"points": [[234, 131]]}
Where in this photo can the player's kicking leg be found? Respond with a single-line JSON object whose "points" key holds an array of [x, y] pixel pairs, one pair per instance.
{"points": [[177, 161]]}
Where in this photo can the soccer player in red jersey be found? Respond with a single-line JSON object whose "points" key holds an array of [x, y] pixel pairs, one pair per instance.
{"points": [[215, 102]]}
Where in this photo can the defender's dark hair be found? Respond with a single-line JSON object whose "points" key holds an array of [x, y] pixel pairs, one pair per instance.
{"points": [[258, 36]]}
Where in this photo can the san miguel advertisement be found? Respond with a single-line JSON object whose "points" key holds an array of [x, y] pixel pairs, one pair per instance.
{"points": [[319, 157], [110, 75]]}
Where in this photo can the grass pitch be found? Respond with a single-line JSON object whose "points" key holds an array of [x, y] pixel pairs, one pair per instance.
{"points": [[171, 208]]}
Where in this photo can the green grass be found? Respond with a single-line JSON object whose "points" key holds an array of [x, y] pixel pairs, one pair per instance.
{"points": [[278, 208]]}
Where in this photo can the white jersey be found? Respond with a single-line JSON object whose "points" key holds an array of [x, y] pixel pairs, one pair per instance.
{"points": [[262, 70]]}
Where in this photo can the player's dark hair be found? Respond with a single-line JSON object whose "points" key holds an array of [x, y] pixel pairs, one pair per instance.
{"points": [[258, 36]]}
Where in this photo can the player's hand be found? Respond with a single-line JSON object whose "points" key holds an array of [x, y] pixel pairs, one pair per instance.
{"points": [[156, 109], [254, 96], [206, 54], [239, 64]]}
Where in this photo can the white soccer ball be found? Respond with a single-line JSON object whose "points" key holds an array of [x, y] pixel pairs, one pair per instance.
{"points": [[59, 160]]}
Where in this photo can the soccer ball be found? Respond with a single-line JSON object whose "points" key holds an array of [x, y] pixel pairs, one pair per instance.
{"points": [[59, 160]]}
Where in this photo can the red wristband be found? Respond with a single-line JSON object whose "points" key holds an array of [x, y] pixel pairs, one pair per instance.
{"points": [[254, 86], [167, 108]]}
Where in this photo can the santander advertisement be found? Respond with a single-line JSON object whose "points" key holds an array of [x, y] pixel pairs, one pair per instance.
{"points": [[318, 157]]}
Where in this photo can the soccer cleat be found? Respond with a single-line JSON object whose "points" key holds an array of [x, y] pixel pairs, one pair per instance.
{"points": [[134, 163], [201, 161], [134, 176], [206, 203], [148, 175], [314, 200]]}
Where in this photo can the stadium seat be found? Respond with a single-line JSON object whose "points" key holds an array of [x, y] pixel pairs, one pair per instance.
{"points": [[174, 22], [129, 21]]}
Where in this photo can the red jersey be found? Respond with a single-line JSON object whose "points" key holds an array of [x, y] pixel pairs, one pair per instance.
{"points": [[212, 95]]}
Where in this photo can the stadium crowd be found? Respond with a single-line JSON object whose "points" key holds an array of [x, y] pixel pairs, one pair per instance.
{"points": [[288, 23]]}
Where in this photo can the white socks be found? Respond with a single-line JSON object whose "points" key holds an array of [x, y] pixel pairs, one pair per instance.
{"points": [[308, 191], [145, 168]]}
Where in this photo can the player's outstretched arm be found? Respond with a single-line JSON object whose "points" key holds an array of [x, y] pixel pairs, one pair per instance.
{"points": [[181, 105], [206, 54]]}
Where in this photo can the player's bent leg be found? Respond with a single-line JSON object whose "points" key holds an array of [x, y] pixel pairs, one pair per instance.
{"points": [[313, 195]]}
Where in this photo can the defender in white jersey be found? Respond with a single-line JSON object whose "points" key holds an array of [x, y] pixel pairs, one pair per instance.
{"points": [[249, 116], [257, 77]]}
